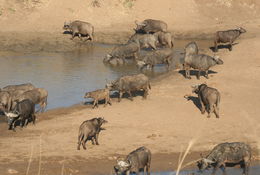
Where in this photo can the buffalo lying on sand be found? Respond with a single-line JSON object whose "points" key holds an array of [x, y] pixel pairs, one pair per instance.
{"points": [[89, 130], [136, 161], [130, 83], [227, 154]]}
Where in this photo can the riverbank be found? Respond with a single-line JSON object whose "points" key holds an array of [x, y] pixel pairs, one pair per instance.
{"points": [[166, 122]]}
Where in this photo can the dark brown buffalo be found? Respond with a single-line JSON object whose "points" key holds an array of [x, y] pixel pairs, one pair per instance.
{"points": [[200, 62], [150, 26], [129, 83], [209, 99], [89, 130], [23, 111], [136, 161], [227, 154], [228, 36]]}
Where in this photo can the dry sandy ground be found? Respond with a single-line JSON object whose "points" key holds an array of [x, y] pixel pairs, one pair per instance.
{"points": [[166, 122]]}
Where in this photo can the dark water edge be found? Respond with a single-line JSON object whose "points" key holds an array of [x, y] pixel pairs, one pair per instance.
{"points": [[69, 75]]}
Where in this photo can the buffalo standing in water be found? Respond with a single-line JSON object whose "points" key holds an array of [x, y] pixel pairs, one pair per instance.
{"points": [[227, 154], [139, 159]]}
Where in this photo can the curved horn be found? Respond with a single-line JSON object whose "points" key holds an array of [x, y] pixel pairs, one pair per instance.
{"points": [[208, 161], [191, 162]]}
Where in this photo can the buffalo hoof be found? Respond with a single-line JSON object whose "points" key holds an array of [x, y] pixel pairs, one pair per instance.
{"points": [[208, 116]]}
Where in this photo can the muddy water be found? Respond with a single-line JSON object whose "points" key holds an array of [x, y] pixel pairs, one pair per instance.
{"points": [[68, 75], [255, 170]]}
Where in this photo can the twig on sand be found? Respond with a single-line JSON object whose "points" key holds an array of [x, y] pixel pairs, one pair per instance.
{"points": [[40, 155], [185, 154], [30, 160]]}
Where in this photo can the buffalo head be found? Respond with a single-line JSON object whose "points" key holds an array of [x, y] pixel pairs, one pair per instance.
{"points": [[204, 164], [11, 116], [241, 30], [218, 60], [122, 167], [67, 25]]}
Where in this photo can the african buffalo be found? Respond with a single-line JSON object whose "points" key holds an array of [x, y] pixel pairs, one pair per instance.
{"points": [[130, 83], [209, 99], [100, 94], [151, 58], [5, 101], [121, 52], [80, 28], [144, 40], [25, 87], [23, 111], [228, 36], [200, 62], [136, 161], [150, 26], [164, 39], [227, 154], [37, 96], [89, 130]]}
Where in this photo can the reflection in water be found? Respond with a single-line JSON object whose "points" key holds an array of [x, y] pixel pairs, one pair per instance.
{"points": [[255, 170], [66, 75]]}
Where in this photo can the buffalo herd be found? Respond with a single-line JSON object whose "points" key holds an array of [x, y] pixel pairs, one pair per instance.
{"points": [[18, 102]]}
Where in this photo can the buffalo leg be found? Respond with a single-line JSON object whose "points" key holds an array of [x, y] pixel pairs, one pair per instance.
{"points": [[207, 74], [79, 35], [216, 110], [33, 118], [85, 139], [92, 140], [216, 46], [215, 169], [145, 93], [96, 139], [109, 101], [73, 35], [130, 95], [95, 104], [198, 75], [202, 106], [230, 47], [210, 110], [120, 96]]}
